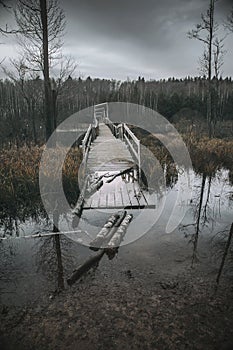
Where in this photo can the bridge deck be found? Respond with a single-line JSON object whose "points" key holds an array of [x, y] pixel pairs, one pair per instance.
{"points": [[108, 153]]}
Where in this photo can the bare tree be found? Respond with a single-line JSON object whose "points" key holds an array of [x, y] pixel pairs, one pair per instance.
{"points": [[212, 58], [41, 26], [29, 86], [218, 56]]}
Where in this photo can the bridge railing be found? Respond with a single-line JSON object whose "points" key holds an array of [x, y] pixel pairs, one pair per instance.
{"points": [[115, 129], [101, 112], [122, 131], [133, 143], [87, 140], [90, 135]]}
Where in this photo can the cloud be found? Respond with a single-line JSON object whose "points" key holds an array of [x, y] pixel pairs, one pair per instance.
{"points": [[120, 38]]}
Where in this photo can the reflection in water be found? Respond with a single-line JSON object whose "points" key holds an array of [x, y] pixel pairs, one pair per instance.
{"points": [[207, 200], [225, 253], [54, 252], [211, 211], [60, 274], [43, 264], [196, 235]]}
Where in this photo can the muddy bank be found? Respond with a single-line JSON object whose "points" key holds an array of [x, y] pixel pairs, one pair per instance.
{"points": [[160, 302]]}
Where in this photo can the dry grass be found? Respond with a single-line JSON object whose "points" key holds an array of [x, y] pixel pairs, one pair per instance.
{"points": [[209, 155], [19, 175]]}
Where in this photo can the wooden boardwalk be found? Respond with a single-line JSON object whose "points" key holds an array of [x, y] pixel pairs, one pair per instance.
{"points": [[110, 155]]}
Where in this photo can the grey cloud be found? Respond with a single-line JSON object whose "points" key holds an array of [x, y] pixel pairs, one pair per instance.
{"points": [[120, 38]]}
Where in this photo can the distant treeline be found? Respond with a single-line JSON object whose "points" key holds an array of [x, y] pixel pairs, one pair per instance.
{"points": [[22, 102]]}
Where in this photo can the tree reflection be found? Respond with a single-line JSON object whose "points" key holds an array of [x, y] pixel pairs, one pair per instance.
{"points": [[197, 229]]}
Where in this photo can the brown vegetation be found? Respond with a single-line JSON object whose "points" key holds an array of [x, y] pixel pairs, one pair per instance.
{"points": [[19, 175]]}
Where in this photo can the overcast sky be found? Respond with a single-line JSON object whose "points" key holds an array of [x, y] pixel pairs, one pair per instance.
{"points": [[127, 38]]}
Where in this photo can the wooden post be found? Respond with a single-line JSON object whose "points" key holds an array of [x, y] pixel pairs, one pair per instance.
{"points": [[107, 110], [139, 161]]}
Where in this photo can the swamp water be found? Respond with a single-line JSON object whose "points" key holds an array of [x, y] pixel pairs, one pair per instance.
{"points": [[34, 268]]}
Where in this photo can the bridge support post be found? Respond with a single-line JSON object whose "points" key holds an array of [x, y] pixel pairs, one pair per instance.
{"points": [[139, 162]]}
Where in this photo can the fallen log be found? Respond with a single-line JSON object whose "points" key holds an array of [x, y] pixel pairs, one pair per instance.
{"points": [[118, 237], [101, 236], [113, 229], [107, 231], [80, 271], [119, 174]]}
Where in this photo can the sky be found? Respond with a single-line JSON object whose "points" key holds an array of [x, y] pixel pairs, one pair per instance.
{"points": [[124, 39]]}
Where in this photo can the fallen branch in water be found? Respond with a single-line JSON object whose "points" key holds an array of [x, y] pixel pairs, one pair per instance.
{"points": [[91, 262], [44, 234]]}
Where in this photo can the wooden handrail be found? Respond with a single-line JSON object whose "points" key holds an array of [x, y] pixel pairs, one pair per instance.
{"points": [[86, 140], [129, 136]]}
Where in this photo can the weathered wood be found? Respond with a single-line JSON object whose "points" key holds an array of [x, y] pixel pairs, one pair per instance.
{"points": [[107, 231], [118, 236], [108, 153], [95, 186], [77, 211], [96, 243], [125, 171], [114, 228], [79, 272]]}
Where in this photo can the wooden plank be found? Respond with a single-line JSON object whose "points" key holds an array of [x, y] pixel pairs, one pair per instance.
{"points": [[103, 200], [133, 199], [121, 194], [95, 200], [118, 198], [126, 197], [110, 154], [111, 200]]}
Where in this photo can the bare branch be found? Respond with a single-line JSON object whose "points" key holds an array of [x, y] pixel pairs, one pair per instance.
{"points": [[229, 22]]}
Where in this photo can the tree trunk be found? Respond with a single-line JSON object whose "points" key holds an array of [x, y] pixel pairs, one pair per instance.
{"points": [[47, 88]]}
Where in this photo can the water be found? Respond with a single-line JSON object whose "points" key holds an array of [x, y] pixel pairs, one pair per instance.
{"points": [[34, 268]]}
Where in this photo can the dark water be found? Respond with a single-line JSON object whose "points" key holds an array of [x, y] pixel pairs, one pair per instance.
{"points": [[34, 268]]}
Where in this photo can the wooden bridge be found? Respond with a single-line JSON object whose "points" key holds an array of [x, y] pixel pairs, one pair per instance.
{"points": [[112, 166]]}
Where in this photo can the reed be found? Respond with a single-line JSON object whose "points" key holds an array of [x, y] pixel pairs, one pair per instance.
{"points": [[19, 176]]}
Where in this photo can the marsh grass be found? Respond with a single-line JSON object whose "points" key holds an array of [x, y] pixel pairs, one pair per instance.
{"points": [[19, 169], [207, 155], [19, 180]]}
